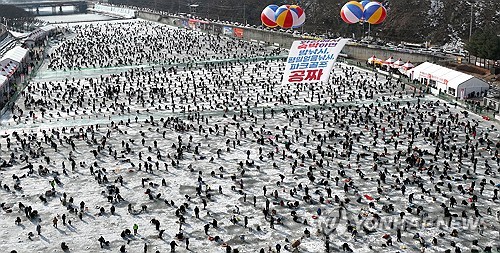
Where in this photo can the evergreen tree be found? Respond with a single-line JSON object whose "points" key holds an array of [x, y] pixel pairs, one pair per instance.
{"points": [[485, 44]]}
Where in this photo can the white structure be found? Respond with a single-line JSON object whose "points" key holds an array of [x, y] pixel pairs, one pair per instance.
{"points": [[114, 11], [13, 61], [16, 55], [449, 81]]}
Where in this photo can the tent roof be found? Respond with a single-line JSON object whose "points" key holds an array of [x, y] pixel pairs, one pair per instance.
{"points": [[16, 54], [36, 34], [441, 74], [8, 69], [399, 63], [47, 28]]}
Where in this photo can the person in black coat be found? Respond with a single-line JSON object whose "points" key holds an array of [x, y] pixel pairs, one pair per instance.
{"points": [[172, 246]]}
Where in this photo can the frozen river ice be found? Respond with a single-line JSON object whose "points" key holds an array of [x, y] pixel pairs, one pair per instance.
{"points": [[230, 135], [74, 18]]}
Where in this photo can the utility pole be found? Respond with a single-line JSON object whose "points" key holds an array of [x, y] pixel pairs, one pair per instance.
{"points": [[470, 26], [244, 13]]}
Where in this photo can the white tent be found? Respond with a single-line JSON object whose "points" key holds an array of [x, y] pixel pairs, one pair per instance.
{"points": [[452, 82], [408, 65], [398, 63], [17, 55], [389, 61], [374, 60]]}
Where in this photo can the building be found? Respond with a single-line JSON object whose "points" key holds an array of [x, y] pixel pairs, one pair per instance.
{"points": [[17, 55], [12, 65], [38, 36], [13, 61], [444, 80]]}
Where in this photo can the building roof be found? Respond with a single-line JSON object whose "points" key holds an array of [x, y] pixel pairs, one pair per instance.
{"points": [[8, 68], [441, 74], [40, 32], [36, 34], [47, 28], [16, 54]]}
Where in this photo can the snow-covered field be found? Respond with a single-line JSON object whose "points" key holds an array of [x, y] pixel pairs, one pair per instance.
{"points": [[72, 18], [348, 145]]}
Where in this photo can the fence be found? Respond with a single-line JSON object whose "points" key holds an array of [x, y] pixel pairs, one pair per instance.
{"points": [[486, 64]]}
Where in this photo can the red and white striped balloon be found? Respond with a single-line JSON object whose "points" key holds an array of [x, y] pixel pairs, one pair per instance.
{"points": [[268, 17]]}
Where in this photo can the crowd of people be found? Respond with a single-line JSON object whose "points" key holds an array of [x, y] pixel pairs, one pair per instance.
{"points": [[224, 157], [134, 43]]}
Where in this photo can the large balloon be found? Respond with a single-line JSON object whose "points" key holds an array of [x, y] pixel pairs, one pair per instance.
{"points": [[300, 14], [365, 2], [352, 12], [374, 13], [268, 16], [286, 16]]}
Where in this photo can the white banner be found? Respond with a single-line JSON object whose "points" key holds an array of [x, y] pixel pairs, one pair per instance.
{"points": [[129, 13], [311, 61]]}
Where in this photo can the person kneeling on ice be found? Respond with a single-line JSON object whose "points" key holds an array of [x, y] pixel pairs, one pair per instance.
{"points": [[345, 247], [64, 247], [103, 242], [218, 239], [179, 236], [307, 233], [30, 235]]}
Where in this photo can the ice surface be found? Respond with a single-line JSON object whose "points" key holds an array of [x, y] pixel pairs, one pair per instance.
{"points": [[220, 112], [74, 18]]}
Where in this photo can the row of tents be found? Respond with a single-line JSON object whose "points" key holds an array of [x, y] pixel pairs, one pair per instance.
{"points": [[10, 62], [13, 62], [390, 63], [437, 78]]}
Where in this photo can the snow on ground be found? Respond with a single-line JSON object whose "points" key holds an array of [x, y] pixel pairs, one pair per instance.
{"points": [[234, 125], [19, 35], [435, 11], [455, 44]]}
